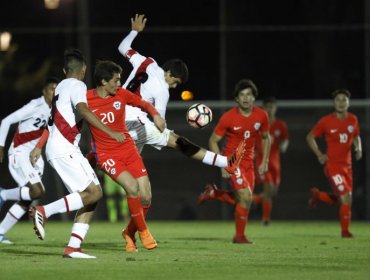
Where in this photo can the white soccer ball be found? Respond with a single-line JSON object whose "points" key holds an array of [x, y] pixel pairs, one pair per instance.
{"points": [[199, 115]]}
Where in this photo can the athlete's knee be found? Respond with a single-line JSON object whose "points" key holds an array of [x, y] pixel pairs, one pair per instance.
{"points": [[186, 147], [36, 191], [24, 204]]}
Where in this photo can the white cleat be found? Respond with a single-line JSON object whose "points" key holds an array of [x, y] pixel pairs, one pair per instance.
{"points": [[76, 253], [39, 219], [4, 240]]}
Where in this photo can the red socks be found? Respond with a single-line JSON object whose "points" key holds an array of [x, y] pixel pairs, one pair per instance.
{"points": [[328, 198], [266, 210], [241, 219], [131, 227], [137, 215], [225, 196], [345, 217]]}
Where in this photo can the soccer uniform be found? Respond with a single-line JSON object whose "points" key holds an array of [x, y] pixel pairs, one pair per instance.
{"points": [[112, 156], [62, 150], [339, 134], [236, 127], [147, 81], [32, 119], [278, 133]]}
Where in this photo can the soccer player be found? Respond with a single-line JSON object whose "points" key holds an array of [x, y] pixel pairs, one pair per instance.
{"points": [[31, 120], [244, 121], [64, 155], [121, 161], [341, 131], [279, 144]]}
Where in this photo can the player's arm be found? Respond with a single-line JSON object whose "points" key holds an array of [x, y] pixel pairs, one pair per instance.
{"points": [[23, 113], [311, 141], [137, 25], [284, 145], [266, 146], [35, 154], [92, 119], [357, 147]]}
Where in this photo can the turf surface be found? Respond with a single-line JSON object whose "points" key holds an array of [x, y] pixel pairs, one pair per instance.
{"points": [[193, 250]]}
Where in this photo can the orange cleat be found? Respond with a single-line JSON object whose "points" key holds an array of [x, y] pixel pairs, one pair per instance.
{"points": [[130, 242], [207, 194], [314, 199], [241, 240], [234, 159], [147, 239]]}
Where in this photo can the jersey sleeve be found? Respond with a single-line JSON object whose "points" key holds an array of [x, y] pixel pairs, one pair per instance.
{"points": [[78, 94], [21, 114], [160, 103], [265, 124], [284, 131], [356, 131], [221, 127], [319, 128], [136, 101]]}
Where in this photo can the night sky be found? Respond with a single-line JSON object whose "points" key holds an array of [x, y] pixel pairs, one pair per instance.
{"points": [[302, 49]]}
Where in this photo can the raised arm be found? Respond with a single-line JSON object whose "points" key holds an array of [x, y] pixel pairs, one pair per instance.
{"points": [[137, 25]]}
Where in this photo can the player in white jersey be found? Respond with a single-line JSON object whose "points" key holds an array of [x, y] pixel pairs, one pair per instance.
{"points": [[152, 83], [64, 155], [31, 119]]}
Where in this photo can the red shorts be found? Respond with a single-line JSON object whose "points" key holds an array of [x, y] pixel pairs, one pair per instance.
{"points": [[271, 177], [243, 177], [128, 160], [340, 178]]}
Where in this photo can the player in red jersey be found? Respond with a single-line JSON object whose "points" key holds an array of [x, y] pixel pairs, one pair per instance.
{"points": [[244, 121], [121, 161], [279, 144], [341, 131]]}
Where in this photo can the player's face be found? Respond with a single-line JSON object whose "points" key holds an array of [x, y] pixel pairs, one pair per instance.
{"points": [[245, 99], [113, 84], [172, 81], [270, 108], [341, 103], [48, 92]]}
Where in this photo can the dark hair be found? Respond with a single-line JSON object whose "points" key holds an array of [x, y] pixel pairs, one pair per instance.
{"points": [[269, 99], [73, 60], [51, 80], [244, 84], [178, 69], [105, 70], [341, 91]]}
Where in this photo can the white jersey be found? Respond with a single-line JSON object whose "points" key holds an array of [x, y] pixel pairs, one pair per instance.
{"points": [[152, 88], [32, 119], [64, 132]]}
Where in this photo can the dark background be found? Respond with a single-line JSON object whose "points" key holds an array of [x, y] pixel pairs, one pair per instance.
{"points": [[294, 50]]}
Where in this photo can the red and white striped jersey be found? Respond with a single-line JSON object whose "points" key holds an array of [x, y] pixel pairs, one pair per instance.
{"points": [[64, 132], [31, 119]]}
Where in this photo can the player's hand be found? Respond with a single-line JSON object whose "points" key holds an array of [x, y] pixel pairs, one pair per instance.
{"points": [[323, 158], [225, 174], [118, 136], [263, 168], [1, 154], [159, 122], [358, 154], [138, 23], [35, 154]]}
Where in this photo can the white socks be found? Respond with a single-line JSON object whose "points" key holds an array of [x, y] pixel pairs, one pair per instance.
{"points": [[211, 158], [78, 234], [68, 203], [21, 193], [14, 214]]}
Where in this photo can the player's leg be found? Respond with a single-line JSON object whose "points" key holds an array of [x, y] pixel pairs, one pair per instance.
{"points": [[267, 202], [211, 192], [345, 196]]}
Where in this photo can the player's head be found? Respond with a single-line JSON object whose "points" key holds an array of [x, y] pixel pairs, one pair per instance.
{"points": [[107, 74], [270, 106], [341, 99], [175, 72], [74, 64], [245, 93], [48, 88]]}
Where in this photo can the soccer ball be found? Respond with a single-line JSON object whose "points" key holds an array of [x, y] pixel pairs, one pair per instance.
{"points": [[199, 115]]}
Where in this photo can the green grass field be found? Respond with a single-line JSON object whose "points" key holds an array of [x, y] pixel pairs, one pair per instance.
{"points": [[193, 250]]}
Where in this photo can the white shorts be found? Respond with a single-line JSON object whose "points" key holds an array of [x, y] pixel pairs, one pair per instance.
{"points": [[147, 134], [75, 171], [22, 170]]}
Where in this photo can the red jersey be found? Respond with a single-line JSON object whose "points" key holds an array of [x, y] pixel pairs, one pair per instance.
{"points": [[278, 133], [339, 134], [236, 127], [111, 112]]}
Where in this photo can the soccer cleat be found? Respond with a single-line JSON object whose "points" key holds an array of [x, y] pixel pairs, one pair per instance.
{"points": [[2, 201], [147, 239], [266, 223], [37, 213], [234, 159], [207, 194], [241, 240], [4, 240], [314, 199], [347, 234], [130, 242], [76, 253]]}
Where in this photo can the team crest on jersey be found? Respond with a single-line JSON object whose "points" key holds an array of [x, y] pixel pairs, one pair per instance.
{"points": [[350, 128], [257, 125], [277, 133], [117, 105]]}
